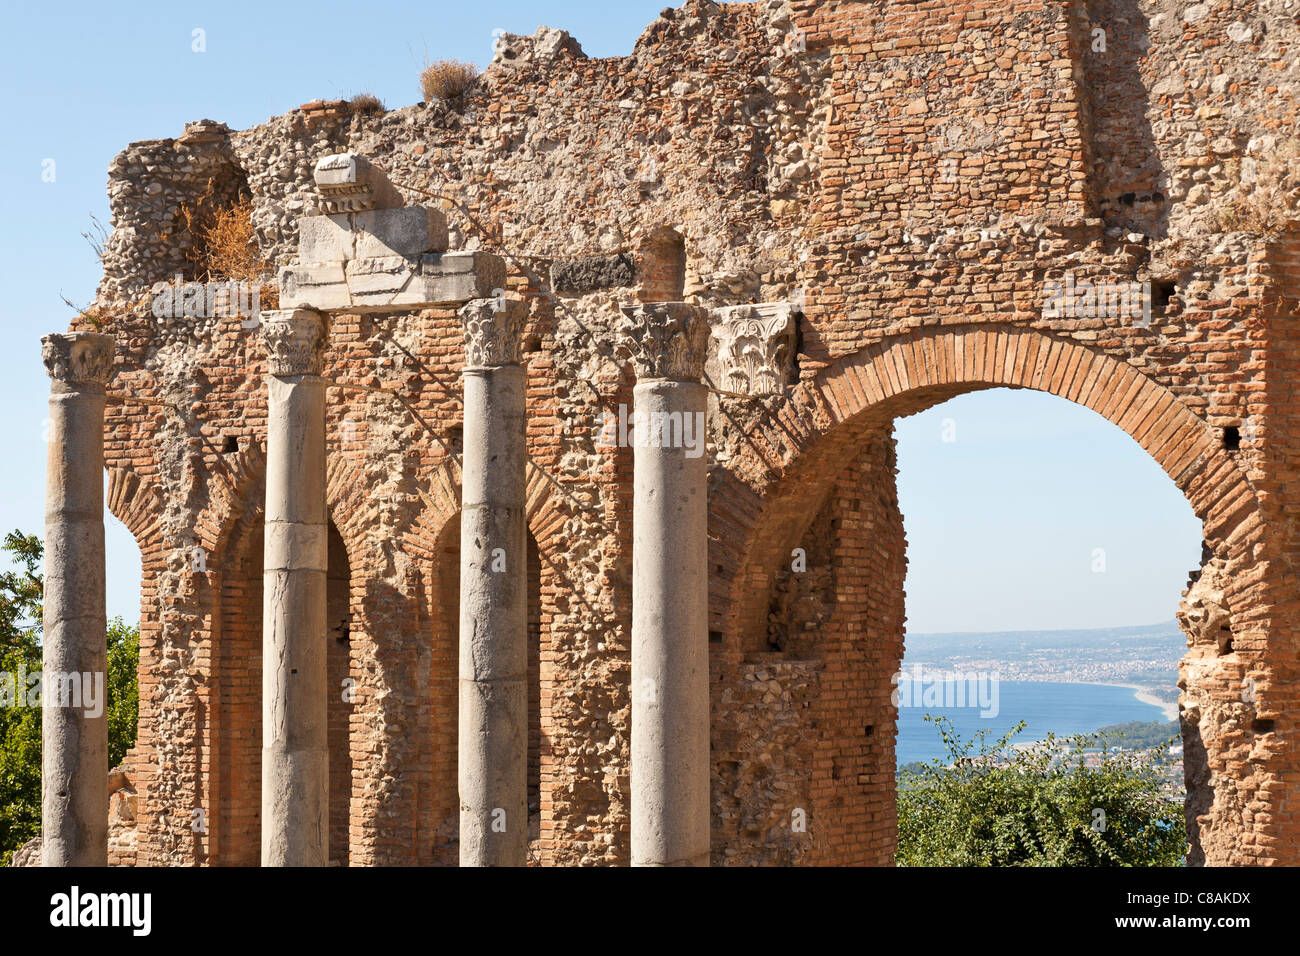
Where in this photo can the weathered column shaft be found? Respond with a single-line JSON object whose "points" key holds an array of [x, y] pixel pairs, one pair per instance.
{"points": [[492, 750], [295, 753], [670, 651], [74, 721]]}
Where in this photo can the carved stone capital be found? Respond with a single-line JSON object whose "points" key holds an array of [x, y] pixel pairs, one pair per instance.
{"points": [[756, 346], [295, 341], [348, 182], [78, 359], [494, 330], [667, 340]]}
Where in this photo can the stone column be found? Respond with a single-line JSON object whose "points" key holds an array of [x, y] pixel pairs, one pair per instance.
{"points": [[670, 651], [74, 724], [295, 754], [492, 748]]}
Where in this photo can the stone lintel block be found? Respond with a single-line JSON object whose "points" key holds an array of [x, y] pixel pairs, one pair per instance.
{"points": [[408, 231], [393, 283], [316, 285]]}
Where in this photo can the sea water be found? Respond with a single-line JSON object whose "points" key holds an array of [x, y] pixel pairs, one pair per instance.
{"points": [[1059, 708]]}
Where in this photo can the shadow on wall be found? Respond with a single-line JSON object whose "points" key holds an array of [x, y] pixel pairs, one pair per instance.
{"points": [[1126, 175]]}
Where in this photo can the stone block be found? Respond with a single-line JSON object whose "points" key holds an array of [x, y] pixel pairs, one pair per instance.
{"points": [[349, 182], [589, 273], [326, 238], [392, 283], [409, 231], [319, 285]]}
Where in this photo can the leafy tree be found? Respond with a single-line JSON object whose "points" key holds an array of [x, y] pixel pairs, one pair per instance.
{"points": [[123, 707], [1144, 735], [1036, 805], [21, 591], [21, 594], [20, 726]]}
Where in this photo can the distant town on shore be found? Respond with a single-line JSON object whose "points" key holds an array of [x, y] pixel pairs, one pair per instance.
{"points": [[1143, 657]]}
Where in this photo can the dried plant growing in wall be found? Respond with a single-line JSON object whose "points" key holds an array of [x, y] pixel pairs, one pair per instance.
{"points": [[93, 315], [1266, 199], [224, 245], [447, 80], [364, 104], [96, 237]]}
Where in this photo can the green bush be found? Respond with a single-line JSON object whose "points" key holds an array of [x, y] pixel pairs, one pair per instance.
{"points": [[1039, 805], [21, 593]]}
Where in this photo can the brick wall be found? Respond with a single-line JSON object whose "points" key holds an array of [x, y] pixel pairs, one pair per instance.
{"points": [[914, 173]]}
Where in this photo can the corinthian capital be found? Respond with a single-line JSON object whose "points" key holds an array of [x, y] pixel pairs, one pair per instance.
{"points": [[665, 339], [295, 341], [494, 329], [78, 359], [755, 347]]}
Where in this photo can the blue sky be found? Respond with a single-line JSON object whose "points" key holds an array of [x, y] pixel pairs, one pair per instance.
{"points": [[1002, 522]]}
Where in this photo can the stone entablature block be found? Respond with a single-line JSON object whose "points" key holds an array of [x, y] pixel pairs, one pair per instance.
{"points": [[348, 182], [392, 283], [371, 253], [755, 348]]}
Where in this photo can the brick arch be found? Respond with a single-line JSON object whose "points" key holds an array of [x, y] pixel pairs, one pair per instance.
{"points": [[543, 508], [546, 509], [226, 528], [787, 472], [138, 504], [799, 449], [235, 498], [350, 506], [912, 372]]}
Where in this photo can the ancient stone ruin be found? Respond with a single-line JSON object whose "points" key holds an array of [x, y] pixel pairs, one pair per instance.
{"points": [[478, 547]]}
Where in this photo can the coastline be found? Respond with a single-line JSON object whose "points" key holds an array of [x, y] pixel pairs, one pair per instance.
{"points": [[1144, 695], [1168, 708]]}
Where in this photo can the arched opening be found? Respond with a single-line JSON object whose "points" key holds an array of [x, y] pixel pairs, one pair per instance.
{"points": [[124, 575], [536, 741], [1046, 557], [443, 817], [803, 741], [663, 266], [237, 832], [803, 729]]}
